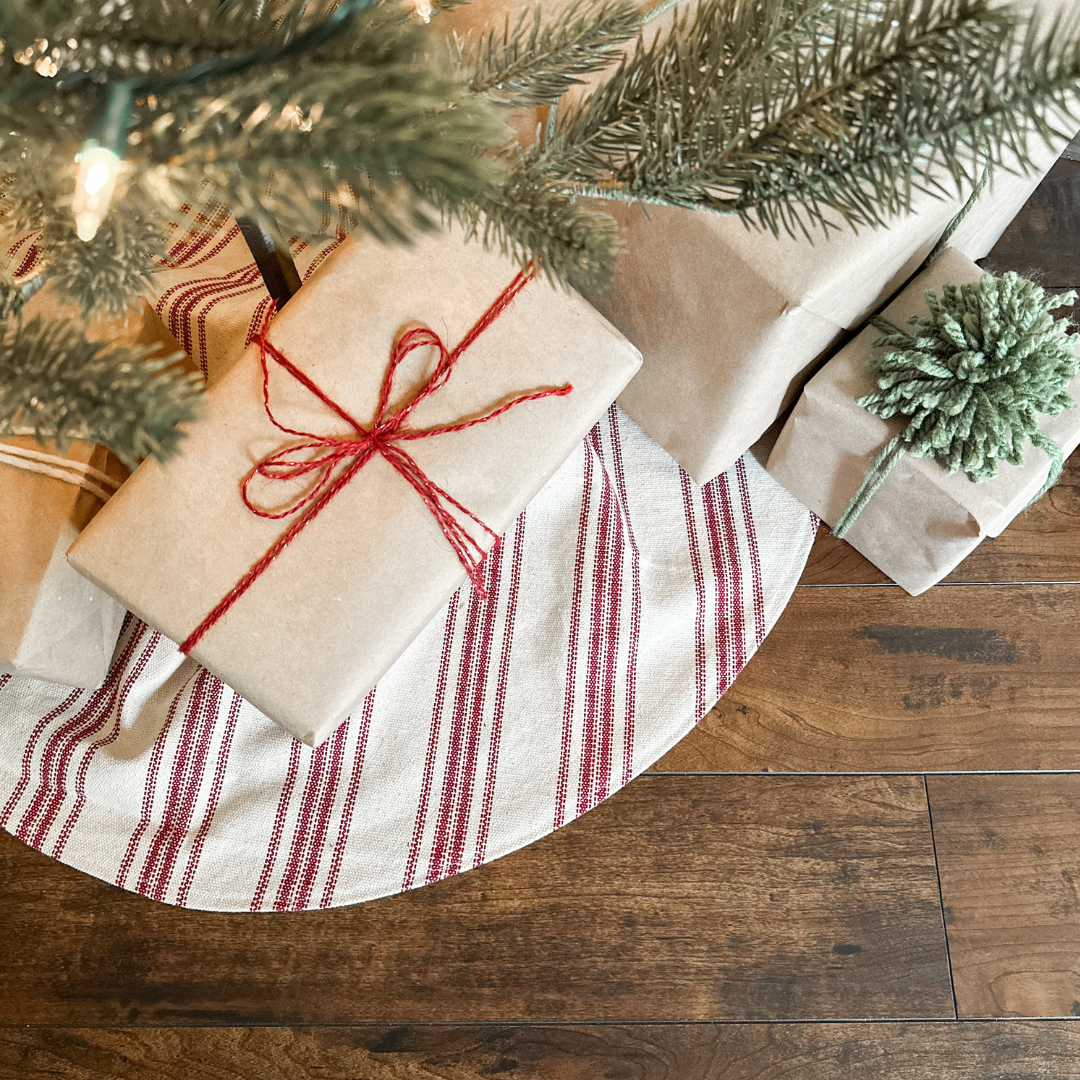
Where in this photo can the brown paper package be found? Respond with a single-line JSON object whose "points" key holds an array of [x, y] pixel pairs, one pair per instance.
{"points": [[54, 624], [731, 321], [923, 521], [316, 631]]}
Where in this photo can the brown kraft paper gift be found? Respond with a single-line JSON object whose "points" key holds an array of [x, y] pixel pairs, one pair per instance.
{"points": [[54, 624], [311, 636], [923, 521], [730, 320]]}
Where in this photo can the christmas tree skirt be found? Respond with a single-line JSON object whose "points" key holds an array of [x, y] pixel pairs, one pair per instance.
{"points": [[621, 605]]}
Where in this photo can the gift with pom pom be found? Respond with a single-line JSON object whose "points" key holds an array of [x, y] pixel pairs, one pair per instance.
{"points": [[941, 422]]}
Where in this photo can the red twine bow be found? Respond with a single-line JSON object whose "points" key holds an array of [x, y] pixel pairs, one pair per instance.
{"points": [[336, 459]]}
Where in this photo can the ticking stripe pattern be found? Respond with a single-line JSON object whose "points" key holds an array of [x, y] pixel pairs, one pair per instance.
{"points": [[622, 603], [619, 607], [210, 293]]}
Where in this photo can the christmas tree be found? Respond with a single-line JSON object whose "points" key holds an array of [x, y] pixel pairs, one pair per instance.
{"points": [[122, 118]]}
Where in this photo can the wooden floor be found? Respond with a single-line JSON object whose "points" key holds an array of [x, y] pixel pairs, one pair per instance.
{"points": [[903, 903]]}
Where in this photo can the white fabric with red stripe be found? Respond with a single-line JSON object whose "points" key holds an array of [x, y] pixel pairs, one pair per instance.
{"points": [[621, 605]]}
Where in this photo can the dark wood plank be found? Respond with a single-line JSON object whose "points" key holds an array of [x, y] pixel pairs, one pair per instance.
{"points": [[679, 898], [1044, 239], [1009, 1050], [1010, 870], [850, 680]]}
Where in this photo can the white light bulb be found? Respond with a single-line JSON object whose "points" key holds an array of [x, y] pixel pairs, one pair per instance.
{"points": [[95, 182], [97, 176]]}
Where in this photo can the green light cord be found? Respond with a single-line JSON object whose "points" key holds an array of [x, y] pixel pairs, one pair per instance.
{"points": [[112, 128]]}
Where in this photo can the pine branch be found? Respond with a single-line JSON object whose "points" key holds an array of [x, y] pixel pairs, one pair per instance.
{"points": [[107, 275], [11, 297], [291, 145], [534, 62], [531, 218], [64, 387], [847, 107]]}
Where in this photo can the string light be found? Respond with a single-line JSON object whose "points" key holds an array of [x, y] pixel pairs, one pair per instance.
{"points": [[95, 183], [99, 161], [423, 10]]}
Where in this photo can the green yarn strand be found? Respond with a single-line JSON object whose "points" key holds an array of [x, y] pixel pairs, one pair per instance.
{"points": [[874, 478], [947, 235], [973, 379], [1057, 463]]}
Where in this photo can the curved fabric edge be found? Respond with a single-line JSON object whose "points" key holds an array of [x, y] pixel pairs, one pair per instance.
{"points": [[776, 517]]}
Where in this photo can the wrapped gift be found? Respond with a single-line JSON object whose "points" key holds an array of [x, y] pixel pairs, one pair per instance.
{"points": [[54, 624], [923, 520], [389, 423], [729, 321]]}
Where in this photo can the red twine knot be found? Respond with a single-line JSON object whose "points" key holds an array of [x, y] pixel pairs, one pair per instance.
{"points": [[334, 460]]}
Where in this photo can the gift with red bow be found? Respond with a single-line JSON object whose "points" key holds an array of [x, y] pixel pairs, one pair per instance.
{"points": [[379, 435]]}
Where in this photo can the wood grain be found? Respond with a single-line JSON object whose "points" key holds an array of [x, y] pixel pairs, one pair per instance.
{"points": [[1044, 238], [1010, 872], [680, 898], [867, 680], [1010, 1050]]}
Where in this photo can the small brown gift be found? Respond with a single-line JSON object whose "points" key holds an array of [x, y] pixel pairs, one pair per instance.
{"points": [[924, 520], [349, 468], [54, 624]]}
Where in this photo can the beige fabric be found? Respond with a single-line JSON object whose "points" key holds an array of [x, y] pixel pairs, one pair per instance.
{"points": [[923, 521]]}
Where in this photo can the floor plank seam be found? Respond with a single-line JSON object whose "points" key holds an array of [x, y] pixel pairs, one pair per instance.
{"points": [[852, 1021], [939, 585], [941, 898], [870, 772]]}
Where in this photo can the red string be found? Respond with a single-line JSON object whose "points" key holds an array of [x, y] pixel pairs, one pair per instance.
{"points": [[335, 459]]}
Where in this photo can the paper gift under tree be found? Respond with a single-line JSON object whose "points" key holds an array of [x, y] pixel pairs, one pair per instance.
{"points": [[54, 624], [923, 520], [393, 420], [729, 321]]}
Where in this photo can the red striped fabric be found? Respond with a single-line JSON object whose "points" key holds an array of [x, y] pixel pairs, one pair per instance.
{"points": [[620, 606]]}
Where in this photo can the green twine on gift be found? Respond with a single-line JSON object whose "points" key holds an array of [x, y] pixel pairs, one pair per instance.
{"points": [[974, 379], [947, 235]]}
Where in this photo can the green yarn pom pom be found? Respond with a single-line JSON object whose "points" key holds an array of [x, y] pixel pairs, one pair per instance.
{"points": [[974, 378], [977, 374]]}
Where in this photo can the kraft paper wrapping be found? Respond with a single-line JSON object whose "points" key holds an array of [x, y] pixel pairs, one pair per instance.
{"points": [[316, 631], [923, 521], [54, 624], [731, 321]]}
